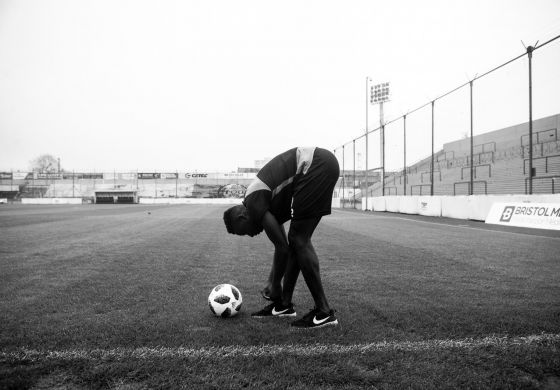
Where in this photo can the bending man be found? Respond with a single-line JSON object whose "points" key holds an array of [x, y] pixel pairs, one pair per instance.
{"points": [[296, 185]]}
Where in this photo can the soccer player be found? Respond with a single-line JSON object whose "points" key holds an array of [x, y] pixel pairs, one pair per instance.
{"points": [[296, 185]]}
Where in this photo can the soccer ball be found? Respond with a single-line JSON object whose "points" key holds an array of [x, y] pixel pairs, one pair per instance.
{"points": [[225, 300]]}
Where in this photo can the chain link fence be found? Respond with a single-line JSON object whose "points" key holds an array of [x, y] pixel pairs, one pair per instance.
{"points": [[496, 134]]}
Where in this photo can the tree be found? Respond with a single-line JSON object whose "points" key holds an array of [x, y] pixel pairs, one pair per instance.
{"points": [[45, 163]]}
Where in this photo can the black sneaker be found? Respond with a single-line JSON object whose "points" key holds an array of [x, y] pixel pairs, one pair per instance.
{"points": [[275, 309], [315, 319]]}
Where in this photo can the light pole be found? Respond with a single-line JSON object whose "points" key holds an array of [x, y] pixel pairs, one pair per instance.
{"points": [[367, 131], [379, 94]]}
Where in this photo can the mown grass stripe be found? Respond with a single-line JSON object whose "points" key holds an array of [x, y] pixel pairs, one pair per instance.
{"points": [[24, 354]]}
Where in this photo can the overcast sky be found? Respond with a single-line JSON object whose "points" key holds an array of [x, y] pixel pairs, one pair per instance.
{"points": [[215, 85]]}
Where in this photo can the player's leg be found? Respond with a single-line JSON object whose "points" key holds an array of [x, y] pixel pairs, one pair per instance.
{"points": [[273, 289], [281, 266], [299, 237], [291, 275], [290, 278]]}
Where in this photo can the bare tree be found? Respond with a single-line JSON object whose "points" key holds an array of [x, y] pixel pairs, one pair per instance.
{"points": [[45, 163]]}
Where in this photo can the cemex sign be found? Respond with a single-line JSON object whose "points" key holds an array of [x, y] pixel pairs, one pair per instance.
{"points": [[531, 215]]}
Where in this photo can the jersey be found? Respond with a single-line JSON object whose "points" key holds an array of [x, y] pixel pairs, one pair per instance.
{"points": [[296, 184]]}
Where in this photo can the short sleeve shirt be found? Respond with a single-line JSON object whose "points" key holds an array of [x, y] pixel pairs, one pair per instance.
{"points": [[273, 188]]}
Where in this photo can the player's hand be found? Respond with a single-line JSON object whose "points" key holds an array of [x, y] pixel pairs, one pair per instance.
{"points": [[275, 231]]}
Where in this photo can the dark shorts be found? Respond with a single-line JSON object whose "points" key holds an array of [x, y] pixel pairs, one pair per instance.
{"points": [[312, 194]]}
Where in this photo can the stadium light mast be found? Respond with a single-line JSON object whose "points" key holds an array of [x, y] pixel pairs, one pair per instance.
{"points": [[379, 94], [367, 131]]}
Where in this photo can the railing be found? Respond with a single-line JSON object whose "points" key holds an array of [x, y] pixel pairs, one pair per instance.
{"points": [[537, 135], [552, 135], [429, 173], [479, 158], [389, 190], [419, 186], [483, 147], [474, 168], [553, 181], [545, 158], [469, 183]]}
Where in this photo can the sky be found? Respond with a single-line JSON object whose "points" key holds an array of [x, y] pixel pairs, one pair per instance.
{"points": [[111, 85]]}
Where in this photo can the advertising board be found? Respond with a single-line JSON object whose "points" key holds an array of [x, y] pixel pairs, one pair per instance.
{"points": [[531, 215]]}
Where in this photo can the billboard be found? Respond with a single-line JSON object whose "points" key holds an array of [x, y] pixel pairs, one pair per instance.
{"points": [[149, 175], [531, 215]]}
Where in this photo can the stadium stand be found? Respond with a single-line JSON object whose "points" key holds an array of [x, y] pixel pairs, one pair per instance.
{"points": [[499, 165]]}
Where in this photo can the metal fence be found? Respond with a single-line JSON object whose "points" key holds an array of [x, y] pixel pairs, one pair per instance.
{"points": [[479, 138]]}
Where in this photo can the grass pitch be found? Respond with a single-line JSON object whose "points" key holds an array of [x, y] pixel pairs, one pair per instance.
{"points": [[114, 296]]}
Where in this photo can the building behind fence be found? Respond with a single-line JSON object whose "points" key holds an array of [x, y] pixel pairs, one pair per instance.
{"points": [[500, 165], [479, 138]]}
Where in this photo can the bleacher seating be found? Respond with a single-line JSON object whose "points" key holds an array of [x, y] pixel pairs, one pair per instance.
{"points": [[500, 165]]}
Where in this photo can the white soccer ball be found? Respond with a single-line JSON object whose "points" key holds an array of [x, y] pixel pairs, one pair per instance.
{"points": [[225, 300]]}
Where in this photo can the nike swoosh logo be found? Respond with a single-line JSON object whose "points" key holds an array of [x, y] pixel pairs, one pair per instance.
{"points": [[275, 313], [319, 322]]}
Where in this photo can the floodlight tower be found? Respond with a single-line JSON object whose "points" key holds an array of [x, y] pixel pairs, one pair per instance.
{"points": [[379, 94], [367, 132]]}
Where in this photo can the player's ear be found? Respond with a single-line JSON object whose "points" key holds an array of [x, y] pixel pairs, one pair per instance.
{"points": [[243, 214]]}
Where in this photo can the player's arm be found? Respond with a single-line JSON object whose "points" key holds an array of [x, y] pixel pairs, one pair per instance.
{"points": [[274, 231]]}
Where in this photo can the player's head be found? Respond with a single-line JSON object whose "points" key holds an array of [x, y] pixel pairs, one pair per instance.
{"points": [[238, 222]]}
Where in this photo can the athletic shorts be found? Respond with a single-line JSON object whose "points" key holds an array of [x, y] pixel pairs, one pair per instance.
{"points": [[312, 193]]}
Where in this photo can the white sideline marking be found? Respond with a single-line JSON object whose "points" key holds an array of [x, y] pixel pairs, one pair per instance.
{"points": [[274, 350]]}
